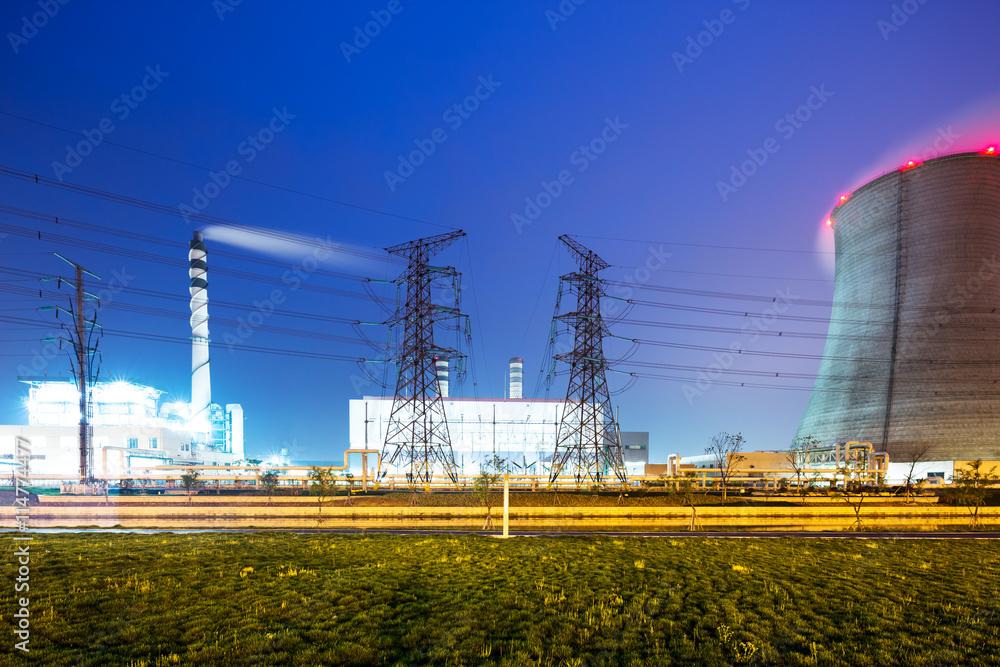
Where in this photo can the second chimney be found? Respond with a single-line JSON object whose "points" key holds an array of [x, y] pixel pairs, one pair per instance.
{"points": [[516, 372]]}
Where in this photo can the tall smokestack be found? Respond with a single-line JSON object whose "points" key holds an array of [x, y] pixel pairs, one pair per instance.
{"points": [[516, 373], [441, 363], [201, 383]]}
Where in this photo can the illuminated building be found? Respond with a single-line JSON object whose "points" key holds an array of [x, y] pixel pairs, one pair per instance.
{"points": [[132, 430], [520, 430]]}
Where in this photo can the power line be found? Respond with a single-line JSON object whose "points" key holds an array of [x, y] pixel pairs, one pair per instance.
{"points": [[722, 275], [734, 296], [225, 322], [174, 245], [161, 259], [721, 247], [119, 333], [706, 245], [746, 313], [96, 193], [235, 177], [754, 385]]}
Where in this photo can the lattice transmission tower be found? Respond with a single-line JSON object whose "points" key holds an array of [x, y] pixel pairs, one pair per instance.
{"points": [[82, 337], [417, 438], [588, 440]]}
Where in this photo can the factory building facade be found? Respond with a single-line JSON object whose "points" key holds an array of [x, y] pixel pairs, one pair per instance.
{"points": [[912, 358], [132, 429], [520, 430]]}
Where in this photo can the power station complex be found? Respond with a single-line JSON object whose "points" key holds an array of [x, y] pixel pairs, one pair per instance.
{"points": [[911, 362], [912, 358]]}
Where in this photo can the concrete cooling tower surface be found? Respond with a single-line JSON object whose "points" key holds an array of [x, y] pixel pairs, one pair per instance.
{"points": [[912, 358]]}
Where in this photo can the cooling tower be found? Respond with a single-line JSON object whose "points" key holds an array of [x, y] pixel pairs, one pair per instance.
{"points": [[912, 357]]}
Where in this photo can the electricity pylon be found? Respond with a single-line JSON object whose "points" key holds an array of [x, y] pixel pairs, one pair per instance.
{"points": [[417, 438], [588, 439], [83, 336]]}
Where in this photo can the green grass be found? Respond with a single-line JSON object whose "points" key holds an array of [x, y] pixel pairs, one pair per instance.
{"points": [[265, 598]]}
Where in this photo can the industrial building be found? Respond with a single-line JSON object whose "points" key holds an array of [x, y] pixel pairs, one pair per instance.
{"points": [[912, 357], [520, 430], [131, 427]]}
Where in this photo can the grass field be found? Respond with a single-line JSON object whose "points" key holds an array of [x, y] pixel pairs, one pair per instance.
{"points": [[265, 598]]}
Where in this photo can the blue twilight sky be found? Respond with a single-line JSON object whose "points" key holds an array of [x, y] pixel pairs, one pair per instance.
{"points": [[642, 109]]}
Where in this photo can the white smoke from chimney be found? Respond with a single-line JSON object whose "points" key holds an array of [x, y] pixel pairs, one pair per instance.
{"points": [[287, 246]]}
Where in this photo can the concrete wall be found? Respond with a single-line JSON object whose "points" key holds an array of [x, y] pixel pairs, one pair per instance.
{"points": [[936, 392], [303, 513]]}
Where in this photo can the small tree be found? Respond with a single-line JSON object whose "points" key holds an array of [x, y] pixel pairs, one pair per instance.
{"points": [[270, 482], [687, 492], [798, 458], [256, 473], [973, 483], [489, 475], [323, 484], [853, 463], [349, 477], [190, 481], [726, 449], [914, 456]]}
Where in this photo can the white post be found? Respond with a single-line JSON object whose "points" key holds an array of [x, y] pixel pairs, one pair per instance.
{"points": [[506, 504]]}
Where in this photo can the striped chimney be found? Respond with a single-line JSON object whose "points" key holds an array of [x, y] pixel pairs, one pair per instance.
{"points": [[441, 365], [201, 383], [516, 376]]}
